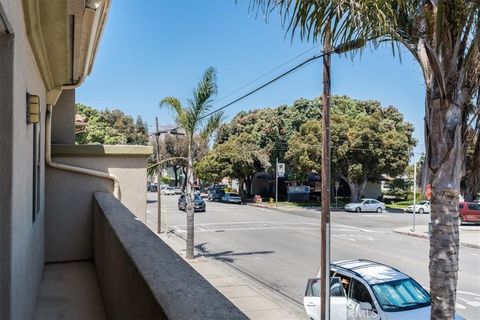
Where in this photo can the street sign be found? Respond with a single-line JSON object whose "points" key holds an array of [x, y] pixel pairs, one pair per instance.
{"points": [[280, 169]]}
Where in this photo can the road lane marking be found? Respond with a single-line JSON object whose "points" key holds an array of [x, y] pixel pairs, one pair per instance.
{"points": [[249, 229], [460, 306]]}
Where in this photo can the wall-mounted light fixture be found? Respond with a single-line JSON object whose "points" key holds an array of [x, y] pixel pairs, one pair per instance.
{"points": [[33, 109]]}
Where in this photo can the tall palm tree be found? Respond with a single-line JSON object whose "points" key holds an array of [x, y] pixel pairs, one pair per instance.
{"points": [[444, 38], [196, 120]]}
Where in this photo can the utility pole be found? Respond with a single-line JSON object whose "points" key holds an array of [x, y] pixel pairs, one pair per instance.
{"points": [[276, 183], [159, 176], [414, 192], [325, 214]]}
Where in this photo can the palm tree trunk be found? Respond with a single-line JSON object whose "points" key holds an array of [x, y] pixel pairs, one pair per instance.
{"points": [[445, 161], [190, 204], [175, 172], [185, 178]]}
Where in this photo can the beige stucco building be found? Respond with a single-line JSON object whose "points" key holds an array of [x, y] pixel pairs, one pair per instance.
{"points": [[73, 242]]}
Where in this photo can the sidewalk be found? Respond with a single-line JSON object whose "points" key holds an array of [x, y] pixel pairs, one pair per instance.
{"points": [[306, 211], [469, 234], [252, 298]]}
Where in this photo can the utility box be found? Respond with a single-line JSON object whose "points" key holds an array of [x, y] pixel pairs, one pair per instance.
{"points": [[298, 193]]}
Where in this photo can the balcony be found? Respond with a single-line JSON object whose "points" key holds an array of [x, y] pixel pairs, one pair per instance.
{"points": [[102, 261]]}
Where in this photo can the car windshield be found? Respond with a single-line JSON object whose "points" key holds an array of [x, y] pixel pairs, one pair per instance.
{"points": [[474, 206], [197, 197], [401, 295], [423, 203]]}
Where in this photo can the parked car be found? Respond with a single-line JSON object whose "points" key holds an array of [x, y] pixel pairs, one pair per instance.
{"points": [[421, 207], [363, 289], [216, 195], [468, 212], [168, 191], [365, 205], [231, 197], [198, 203], [177, 190], [153, 187], [212, 189]]}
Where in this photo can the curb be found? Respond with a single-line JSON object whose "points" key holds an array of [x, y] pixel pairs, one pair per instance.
{"points": [[308, 213], [421, 236], [316, 210]]}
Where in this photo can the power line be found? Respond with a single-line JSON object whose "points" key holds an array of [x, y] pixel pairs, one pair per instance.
{"points": [[298, 66], [266, 74], [284, 74]]}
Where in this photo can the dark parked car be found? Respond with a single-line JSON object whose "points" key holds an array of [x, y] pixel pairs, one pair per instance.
{"points": [[198, 203], [152, 187], [216, 195]]}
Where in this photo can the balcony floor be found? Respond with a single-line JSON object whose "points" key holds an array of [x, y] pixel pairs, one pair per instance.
{"points": [[69, 291]]}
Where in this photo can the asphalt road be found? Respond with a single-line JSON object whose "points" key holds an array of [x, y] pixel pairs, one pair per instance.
{"points": [[281, 250]]}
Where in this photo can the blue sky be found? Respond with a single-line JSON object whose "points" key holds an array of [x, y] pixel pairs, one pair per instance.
{"points": [[152, 49]]}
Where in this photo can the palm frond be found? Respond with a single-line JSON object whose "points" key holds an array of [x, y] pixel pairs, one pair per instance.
{"points": [[200, 104], [175, 105], [212, 124], [205, 90]]}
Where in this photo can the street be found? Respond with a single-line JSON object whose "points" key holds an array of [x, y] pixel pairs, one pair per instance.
{"points": [[281, 250]]}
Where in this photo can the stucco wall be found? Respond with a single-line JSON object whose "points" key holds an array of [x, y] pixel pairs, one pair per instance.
{"points": [[143, 278], [63, 118], [372, 190], [69, 199], [21, 242]]}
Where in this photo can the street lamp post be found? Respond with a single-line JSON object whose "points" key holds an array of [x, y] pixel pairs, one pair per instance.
{"points": [[159, 171], [159, 177], [337, 185]]}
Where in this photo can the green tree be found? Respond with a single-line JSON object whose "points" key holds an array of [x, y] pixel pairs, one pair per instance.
{"points": [[195, 120], [367, 141], [110, 127], [239, 157], [443, 36], [400, 187]]}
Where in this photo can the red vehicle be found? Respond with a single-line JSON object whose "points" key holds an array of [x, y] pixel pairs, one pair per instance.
{"points": [[469, 212]]}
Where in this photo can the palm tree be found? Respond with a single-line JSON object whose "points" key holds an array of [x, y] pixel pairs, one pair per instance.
{"points": [[444, 38], [198, 123]]}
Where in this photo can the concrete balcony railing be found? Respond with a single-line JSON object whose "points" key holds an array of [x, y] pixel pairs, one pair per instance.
{"points": [[142, 277]]}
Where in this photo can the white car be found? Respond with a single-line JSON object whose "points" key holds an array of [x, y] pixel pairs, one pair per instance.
{"points": [[168, 191], [363, 289], [231, 197], [421, 207], [365, 205]]}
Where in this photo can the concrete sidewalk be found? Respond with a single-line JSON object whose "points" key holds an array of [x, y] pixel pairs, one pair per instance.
{"points": [[308, 211], [252, 298], [469, 234]]}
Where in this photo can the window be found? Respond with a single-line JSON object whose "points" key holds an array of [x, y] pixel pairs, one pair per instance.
{"points": [[313, 288], [401, 295], [36, 172], [359, 292], [336, 287], [474, 206]]}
